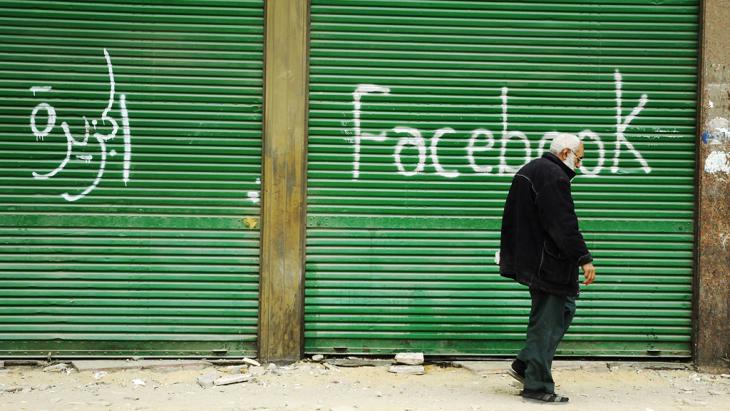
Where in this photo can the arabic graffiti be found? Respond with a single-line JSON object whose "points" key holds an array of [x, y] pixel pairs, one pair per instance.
{"points": [[101, 138]]}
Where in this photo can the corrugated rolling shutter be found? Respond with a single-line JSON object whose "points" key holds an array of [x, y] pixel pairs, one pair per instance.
{"points": [[143, 238], [419, 114]]}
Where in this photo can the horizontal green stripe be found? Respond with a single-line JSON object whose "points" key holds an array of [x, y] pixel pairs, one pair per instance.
{"points": [[79, 345], [383, 222]]}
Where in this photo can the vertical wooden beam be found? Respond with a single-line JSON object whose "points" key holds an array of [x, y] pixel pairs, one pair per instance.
{"points": [[712, 278], [284, 181]]}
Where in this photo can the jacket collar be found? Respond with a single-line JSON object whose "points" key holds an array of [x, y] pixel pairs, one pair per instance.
{"points": [[552, 157]]}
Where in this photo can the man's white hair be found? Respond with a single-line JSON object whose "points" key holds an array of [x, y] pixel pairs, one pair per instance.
{"points": [[563, 141]]}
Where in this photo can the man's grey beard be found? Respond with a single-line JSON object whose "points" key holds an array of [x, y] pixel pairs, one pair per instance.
{"points": [[570, 161]]}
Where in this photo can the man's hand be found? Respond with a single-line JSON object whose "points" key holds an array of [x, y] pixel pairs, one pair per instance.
{"points": [[589, 273]]}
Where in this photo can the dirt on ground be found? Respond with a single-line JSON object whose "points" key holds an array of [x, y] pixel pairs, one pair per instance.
{"points": [[314, 386]]}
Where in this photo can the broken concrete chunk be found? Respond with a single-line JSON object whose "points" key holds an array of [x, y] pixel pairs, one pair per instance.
{"points": [[318, 358], [236, 369], [409, 358], [407, 369], [99, 375], [252, 362], [56, 368], [233, 379], [208, 380], [138, 382]]}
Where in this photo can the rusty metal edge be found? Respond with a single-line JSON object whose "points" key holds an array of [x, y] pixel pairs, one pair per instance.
{"points": [[698, 183]]}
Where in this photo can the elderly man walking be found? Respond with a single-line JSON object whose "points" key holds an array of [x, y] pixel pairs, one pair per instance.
{"points": [[542, 248]]}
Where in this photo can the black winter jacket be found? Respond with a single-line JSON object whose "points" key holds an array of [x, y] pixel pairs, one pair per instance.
{"points": [[541, 244]]}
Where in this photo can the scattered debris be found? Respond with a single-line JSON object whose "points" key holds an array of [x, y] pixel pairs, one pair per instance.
{"points": [[13, 389], [232, 379], [359, 362], [208, 380], [256, 371], [111, 365], [318, 358], [273, 369], [715, 392], [409, 358], [60, 367], [100, 374], [725, 375], [138, 382], [407, 369], [251, 362], [695, 377]]}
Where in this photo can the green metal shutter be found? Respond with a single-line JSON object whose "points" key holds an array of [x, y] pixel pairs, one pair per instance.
{"points": [[401, 249], [144, 241]]}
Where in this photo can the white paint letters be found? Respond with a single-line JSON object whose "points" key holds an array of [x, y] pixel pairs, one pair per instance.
{"points": [[361, 90], [101, 138], [471, 149], [621, 126], [506, 136], [483, 141], [434, 153], [415, 140]]}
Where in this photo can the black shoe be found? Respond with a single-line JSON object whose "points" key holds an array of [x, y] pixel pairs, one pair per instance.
{"points": [[543, 397], [517, 370]]}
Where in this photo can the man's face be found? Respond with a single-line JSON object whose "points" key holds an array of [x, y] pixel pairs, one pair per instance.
{"points": [[572, 158], [579, 155]]}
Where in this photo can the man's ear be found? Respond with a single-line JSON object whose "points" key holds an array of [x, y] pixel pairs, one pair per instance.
{"points": [[564, 154]]}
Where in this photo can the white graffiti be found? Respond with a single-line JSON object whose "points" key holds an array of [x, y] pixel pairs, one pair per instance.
{"points": [[470, 149], [255, 196], [483, 141], [434, 153], [415, 140], [622, 125], [507, 136], [101, 138], [361, 90], [717, 162]]}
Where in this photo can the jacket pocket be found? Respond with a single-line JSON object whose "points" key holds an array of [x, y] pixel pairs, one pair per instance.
{"points": [[555, 268]]}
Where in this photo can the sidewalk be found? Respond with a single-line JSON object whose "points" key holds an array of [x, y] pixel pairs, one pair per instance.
{"points": [[310, 386]]}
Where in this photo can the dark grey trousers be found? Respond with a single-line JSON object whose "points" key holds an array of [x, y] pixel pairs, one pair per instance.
{"points": [[550, 317]]}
